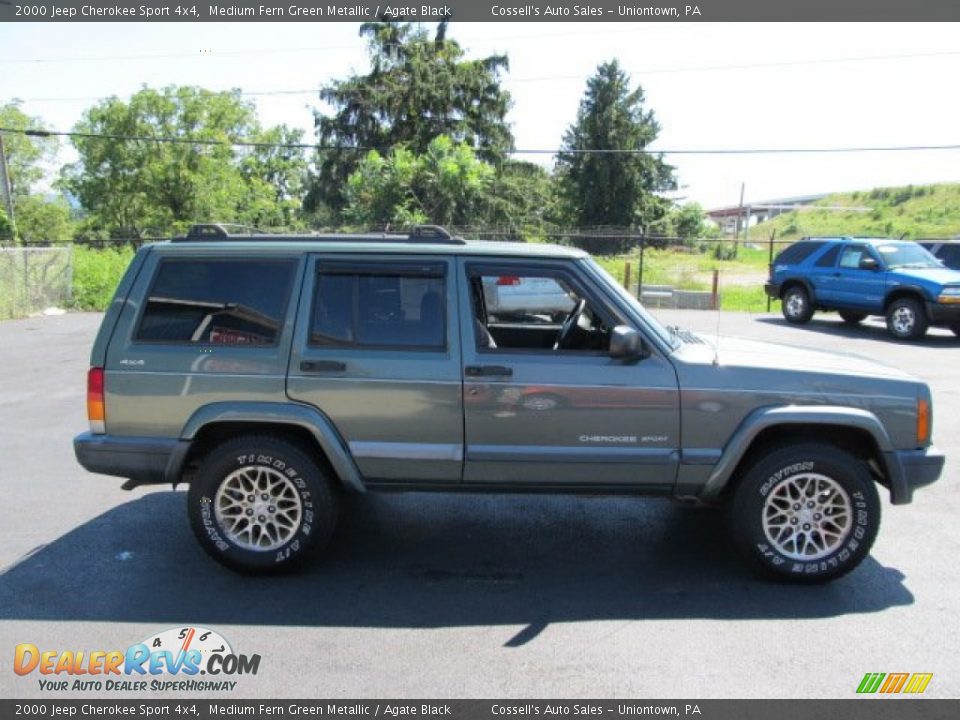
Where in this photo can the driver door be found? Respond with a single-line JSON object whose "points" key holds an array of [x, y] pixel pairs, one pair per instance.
{"points": [[544, 403]]}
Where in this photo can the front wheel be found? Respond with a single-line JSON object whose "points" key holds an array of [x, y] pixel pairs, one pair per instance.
{"points": [[796, 305], [907, 319], [259, 504], [805, 513]]}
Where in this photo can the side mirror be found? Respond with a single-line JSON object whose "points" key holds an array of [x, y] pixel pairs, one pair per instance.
{"points": [[625, 343], [869, 263]]}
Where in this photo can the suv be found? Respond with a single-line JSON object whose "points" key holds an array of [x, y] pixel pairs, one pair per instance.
{"points": [[867, 276], [272, 374]]}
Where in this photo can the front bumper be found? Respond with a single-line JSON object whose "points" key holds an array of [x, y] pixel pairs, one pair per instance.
{"points": [[912, 469], [943, 313], [142, 460], [772, 289]]}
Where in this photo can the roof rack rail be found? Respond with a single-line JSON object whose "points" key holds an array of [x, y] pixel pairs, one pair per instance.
{"points": [[436, 234]]}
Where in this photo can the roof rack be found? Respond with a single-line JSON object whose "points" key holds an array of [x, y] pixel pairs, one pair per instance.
{"points": [[435, 234]]}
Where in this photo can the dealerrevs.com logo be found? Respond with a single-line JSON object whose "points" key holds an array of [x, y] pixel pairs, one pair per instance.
{"points": [[185, 659]]}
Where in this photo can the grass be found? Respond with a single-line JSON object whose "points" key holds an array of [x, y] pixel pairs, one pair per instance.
{"points": [[96, 274], [741, 279], [913, 211]]}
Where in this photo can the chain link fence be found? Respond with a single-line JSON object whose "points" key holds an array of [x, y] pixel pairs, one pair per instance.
{"points": [[33, 279]]}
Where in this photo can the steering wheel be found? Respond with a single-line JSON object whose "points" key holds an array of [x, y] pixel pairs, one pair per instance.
{"points": [[570, 323]]}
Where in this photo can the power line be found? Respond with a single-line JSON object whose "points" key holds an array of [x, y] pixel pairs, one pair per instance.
{"points": [[518, 151], [508, 79], [268, 51]]}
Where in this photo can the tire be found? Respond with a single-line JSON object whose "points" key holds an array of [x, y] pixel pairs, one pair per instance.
{"points": [[852, 318], [772, 489], [796, 306], [955, 327], [293, 486], [907, 319]]}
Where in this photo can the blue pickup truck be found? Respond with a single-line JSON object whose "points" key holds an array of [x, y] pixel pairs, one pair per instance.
{"points": [[858, 277]]}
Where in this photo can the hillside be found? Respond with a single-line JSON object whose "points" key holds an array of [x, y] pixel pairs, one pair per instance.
{"points": [[915, 211]]}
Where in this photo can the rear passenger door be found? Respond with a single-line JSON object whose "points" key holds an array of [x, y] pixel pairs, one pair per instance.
{"points": [[376, 349]]}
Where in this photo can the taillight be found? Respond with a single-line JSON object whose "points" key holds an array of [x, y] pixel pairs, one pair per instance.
{"points": [[508, 280], [923, 421], [96, 412]]}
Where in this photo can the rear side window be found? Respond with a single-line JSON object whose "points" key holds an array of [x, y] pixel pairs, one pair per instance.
{"points": [[217, 302], [950, 254], [796, 253], [829, 258], [380, 308]]}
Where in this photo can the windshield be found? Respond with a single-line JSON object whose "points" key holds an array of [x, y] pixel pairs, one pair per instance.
{"points": [[906, 255], [648, 320]]}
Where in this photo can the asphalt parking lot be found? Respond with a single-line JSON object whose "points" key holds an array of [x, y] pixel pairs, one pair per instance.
{"points": [[472, 596]]}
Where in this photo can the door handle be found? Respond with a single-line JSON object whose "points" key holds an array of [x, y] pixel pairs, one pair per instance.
{"points": [[487, 371], [322, 366]]}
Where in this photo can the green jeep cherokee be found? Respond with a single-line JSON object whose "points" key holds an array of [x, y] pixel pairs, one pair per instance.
{"points": [[274, 373]]}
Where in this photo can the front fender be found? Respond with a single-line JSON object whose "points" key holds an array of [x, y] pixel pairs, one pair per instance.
{"points": [[763, 418], [304, 416]]}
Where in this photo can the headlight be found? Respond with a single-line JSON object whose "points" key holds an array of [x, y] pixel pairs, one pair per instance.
{"points": [[950, 294]]}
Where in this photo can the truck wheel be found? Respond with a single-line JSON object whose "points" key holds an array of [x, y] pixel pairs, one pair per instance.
{"points": [[852, 318], [907, 319], [796, 305], [805, 513], [259, 504]]}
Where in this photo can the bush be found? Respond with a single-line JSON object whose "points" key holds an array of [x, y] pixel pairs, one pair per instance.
{"points": [[96, 274]]}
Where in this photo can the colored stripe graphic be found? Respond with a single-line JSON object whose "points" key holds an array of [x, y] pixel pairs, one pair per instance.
{"points": [[894, 683], [870, 682], [918, 683]]}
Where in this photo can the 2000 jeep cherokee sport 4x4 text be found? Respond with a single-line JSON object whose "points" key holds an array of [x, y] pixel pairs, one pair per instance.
{"points": [[274, 373]]}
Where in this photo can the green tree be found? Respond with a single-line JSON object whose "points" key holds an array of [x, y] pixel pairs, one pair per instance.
{"points": [[417, 89], [25, 154], [43, 221], [6, 229], [447, 185], [152, 187], [618, 187]]}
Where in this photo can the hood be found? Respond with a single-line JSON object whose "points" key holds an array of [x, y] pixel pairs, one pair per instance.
{"points": [[739, 352], [941, 276]]}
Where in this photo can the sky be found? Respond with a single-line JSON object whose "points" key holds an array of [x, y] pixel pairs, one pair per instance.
{"points": [[712, 86]]}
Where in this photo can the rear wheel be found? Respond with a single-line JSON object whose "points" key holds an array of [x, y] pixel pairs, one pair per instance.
{"points": [[260, 504], [907, 319], [852, 318], [796, 305], [805, 513]]}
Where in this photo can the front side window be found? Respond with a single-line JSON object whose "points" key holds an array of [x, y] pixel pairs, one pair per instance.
{"points": [[852, 255], [527, 310], [389, 309], [217, 302]]}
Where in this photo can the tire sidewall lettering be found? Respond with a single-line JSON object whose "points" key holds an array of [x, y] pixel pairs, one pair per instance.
{"points": [[297, 541], [848, 552]]}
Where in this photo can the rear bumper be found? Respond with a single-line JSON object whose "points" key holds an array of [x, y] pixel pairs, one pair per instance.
{"points": [[912, 469], [943, 314], [772, 289], [142, 460]]}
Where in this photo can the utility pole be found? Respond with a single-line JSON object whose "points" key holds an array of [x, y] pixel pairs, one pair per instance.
{"points": [[5, 183], [740, 219]]}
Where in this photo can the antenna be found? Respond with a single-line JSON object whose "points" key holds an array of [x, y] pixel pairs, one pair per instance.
{"points": [[716, 296]]}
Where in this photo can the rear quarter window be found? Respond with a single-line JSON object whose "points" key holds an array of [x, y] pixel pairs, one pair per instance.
{"points": [[796, 253], [217, 302]]}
